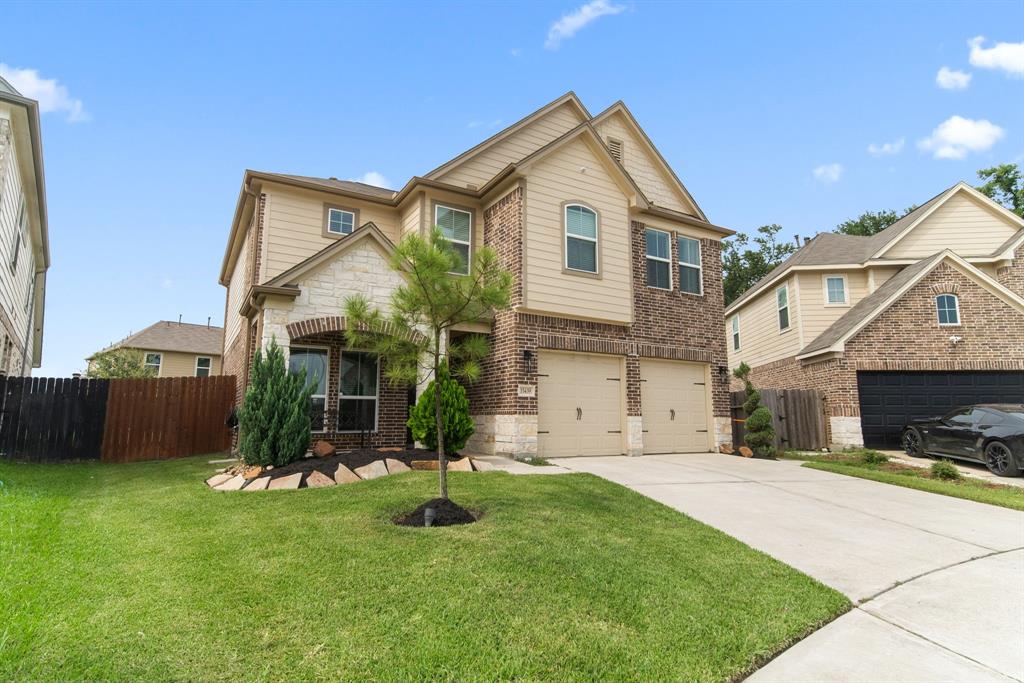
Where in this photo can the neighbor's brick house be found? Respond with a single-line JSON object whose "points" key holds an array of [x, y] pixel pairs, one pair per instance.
{"points": [[613, 343], [920, 318]]}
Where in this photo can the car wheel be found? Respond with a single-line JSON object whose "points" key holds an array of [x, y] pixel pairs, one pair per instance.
{"points": [[912, 444], [999, 460]]}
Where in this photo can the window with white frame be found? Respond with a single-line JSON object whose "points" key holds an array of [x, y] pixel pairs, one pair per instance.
{"points": [[340, 221], [580, 238], [782, 299], [835, 290], [358, 392], [152, 363], [457, 227], [659, 259], [314, 362], [736, 332], [947, 306], [204, 365], [690, 280]]}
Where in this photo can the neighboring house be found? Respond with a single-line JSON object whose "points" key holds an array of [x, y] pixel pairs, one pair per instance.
{"points": [[920, 318], [24, 237], [177, 349], [613, 343]]}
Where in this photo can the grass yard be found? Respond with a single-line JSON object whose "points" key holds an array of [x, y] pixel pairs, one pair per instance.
{"points": [[852, 463], [140, 572]]}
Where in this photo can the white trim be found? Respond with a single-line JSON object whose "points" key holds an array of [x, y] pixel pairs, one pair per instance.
{"points": [[327, 379], [956, 309], [331, 210], [845, 303], [376, 397], [648, 257], [734, 335], [778, 309], [699, 266], [209, 368], [468, 244], [596, 239], [147, 364]]}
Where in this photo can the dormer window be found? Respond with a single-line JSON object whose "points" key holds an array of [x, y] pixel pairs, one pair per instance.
{"points": [[580, 239], [339, 220], [947, 306]]}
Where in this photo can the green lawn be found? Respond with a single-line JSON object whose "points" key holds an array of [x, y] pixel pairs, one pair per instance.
{"points": [[139, 572], [852, 464]]}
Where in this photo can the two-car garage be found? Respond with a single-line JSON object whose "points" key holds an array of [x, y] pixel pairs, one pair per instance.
{"points": [[582, 405]]}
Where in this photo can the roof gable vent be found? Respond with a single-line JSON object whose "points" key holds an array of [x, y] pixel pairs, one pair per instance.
{"points": [[615, 147]]}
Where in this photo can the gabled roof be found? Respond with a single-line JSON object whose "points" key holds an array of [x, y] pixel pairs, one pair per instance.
{"points": [[167, 335], [366, 232], [334, 184], [871, 306]]}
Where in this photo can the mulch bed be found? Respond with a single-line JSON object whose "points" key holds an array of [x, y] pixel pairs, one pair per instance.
{"points": [[446, 512]]}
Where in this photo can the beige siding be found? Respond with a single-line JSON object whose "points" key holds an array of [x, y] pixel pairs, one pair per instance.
{"points": [[412, 214], [876, 276], [483, 166], [557, 179], [178, 364], [962, 224], [294, 225], [237, 286], [815, 314], [760, 339], [643, 166]]}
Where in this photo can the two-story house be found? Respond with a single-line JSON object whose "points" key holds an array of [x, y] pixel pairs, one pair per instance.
{"points": [[922, 317], [171, 348], [613, 343], [24, 240]]}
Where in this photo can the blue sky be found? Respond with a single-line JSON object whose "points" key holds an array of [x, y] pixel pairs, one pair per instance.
{"points": [[765, 110]]}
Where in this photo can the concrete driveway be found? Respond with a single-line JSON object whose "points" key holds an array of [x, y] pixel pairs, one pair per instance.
{"points": [[938, 581]]}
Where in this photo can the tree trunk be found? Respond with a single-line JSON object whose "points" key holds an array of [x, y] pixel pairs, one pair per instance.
{"points": [[442, 460]]}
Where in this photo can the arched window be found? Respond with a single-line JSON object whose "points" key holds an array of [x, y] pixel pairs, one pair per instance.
{"points": [[948, 308], [580, 238]]}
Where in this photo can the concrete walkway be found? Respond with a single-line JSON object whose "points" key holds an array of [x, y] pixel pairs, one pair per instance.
{"points": [[938, 581]]}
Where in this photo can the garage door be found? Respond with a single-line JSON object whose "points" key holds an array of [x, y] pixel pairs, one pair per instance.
{"points": [[673, 399], [889, 400], [579, 401]]}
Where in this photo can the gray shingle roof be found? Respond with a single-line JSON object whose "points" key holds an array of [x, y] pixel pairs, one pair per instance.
{"points": [[868, 305], [169, 335], [335, 184]]}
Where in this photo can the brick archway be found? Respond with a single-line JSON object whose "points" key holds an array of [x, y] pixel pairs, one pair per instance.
{"points": [[304, 328]]}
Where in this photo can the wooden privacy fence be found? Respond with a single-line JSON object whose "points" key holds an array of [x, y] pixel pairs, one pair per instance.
{"points": [[119, 420], [798, 416]]}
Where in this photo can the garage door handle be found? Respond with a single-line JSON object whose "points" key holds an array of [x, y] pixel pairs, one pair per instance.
{"points": [[672, 411], [614, 431], [579, 414]]}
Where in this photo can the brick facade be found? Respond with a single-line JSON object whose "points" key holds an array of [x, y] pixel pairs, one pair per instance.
{"points": [[1012, 276], [907, 337]]}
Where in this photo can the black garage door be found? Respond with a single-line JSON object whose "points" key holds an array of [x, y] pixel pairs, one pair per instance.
{"points": [[889, 400]]}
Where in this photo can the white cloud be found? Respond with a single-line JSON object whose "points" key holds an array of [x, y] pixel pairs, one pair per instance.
{"points": [[515, 52], [886, 148], [828, 173], [373, 178], [166, 283], [1006, 56], [955, 137], [951, 79], [570, 24], [51, 95]]}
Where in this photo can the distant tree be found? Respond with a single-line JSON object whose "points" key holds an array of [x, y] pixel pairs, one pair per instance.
{"points": [[760, 431], [742, 266], [119, 363], [870, 222], [1005, 184]]}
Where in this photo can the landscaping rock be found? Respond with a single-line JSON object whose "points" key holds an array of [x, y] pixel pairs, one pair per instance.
{"points": [[424, 465], [483, 466], [292, 481], [257, 484], [746, 452], [345, 476], [217, 479], [235, 483], [396, 466], [391, 449], [375, 469], [323, 448], [726, 448], [318, 480], [252, 472], [463, 465]]}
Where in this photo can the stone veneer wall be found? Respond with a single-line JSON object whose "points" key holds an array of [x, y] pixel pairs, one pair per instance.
{"points": [[907, 337]]}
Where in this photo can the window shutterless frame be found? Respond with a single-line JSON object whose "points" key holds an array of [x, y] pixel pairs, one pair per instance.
{"points": [[327, 370], [690, 262], [153, 361], [836, 290], [459, 243], [339, 221], [736, 332], [352, 397], [578, 221], [782, 304], [947, 308], [204, 366], [657, 251]]}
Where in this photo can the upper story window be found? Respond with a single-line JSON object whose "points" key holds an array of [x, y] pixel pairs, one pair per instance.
{"points": [[835, 290], [690, 280], [580, 238], [152, 362], [456, 226], [948, 308], [736, 332], [659, 259], [339, 220], [204, 364], [782, 300]]}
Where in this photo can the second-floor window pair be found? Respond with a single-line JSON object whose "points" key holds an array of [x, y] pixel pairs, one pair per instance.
{"points": [[659, 261]]}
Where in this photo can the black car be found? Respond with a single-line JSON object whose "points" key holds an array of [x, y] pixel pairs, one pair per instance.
{"points": [[991, 433]]}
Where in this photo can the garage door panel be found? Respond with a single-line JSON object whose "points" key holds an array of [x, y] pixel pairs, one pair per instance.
{"points": [[673, 400], [579, 405], [889, 400]]}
